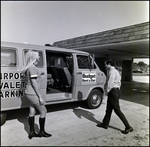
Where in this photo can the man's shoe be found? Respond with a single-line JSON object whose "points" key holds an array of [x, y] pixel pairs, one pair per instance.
{"points": [[127, 130], [102, 126]]}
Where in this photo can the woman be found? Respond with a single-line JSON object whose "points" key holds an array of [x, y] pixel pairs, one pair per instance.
{"points": [[33, 94]]}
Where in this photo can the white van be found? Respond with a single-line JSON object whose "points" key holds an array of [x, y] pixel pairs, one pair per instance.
{"points": [[67, 75]]}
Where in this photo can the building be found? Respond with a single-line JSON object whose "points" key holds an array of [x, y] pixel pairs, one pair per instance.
{"points": [[122, 44]]}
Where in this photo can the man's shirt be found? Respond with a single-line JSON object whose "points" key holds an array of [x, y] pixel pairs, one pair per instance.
{"points": [[113, 79]]}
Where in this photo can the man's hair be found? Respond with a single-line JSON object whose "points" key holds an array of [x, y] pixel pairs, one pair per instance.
{"points": [[110, 61]]}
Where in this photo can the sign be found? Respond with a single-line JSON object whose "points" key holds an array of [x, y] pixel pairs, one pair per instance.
{"points": [[12, 85], [88, 78]]}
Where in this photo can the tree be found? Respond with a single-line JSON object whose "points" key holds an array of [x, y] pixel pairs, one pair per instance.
{"points": [[140, 66], [141, 63]]}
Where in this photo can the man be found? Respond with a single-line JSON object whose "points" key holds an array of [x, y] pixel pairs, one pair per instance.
{"points": [[112, 89]]}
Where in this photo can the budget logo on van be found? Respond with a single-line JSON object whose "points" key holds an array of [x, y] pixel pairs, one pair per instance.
{"points": [[88, 77]]}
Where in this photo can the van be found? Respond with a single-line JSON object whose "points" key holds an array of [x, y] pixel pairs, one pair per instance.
{"points": [[66, 76]]}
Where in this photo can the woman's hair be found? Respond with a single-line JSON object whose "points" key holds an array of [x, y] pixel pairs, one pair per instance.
{"points": [[30, 58]]}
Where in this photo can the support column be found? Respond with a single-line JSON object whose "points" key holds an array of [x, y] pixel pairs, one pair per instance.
{"points": [[127, 70]]}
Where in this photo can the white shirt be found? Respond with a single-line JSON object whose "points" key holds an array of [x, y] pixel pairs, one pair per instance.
{"points": [[113, 79]]}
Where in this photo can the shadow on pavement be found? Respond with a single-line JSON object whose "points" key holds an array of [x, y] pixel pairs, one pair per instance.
{"points": [[86, 114], [22, 114], [89, 116]]}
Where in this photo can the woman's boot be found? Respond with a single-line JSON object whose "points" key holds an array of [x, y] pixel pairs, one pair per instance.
{"points": [[32, 131], [42, 132]]}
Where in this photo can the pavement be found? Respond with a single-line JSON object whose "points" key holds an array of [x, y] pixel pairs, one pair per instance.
{"points": [[73, 124]]}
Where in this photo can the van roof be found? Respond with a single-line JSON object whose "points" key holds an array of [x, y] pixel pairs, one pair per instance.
{"points": [[14, 44]]}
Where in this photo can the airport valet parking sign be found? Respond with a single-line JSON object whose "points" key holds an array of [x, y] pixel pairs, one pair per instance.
{"points": [[88, 78], [12, 84]]}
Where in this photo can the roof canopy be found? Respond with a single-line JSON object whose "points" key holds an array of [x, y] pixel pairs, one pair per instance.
{"points": [[127, 42]]}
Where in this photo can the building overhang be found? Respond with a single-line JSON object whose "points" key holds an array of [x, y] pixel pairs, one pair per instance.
{"points": [[124, 43], [122, 50]]}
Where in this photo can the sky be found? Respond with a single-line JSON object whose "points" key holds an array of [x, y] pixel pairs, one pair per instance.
{"points": [[41, 22]]}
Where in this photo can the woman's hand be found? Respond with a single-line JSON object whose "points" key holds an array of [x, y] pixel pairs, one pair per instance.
{"points": [[41, 101]]}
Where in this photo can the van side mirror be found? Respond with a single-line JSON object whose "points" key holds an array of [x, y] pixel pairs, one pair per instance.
{"points": [[92, 59]]}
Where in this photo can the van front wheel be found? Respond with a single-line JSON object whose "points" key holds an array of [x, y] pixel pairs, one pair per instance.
{"points": [[3, 117], [94, 99]]}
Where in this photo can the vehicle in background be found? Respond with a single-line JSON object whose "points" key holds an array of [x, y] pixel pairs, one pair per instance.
{"points": [[137, 71]]}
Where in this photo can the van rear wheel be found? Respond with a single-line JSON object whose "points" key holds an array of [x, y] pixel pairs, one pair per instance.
{"points": [[94, 99], [3, 117]]}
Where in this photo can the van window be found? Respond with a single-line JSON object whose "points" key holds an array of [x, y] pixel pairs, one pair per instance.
{"points": [[8, 57], [40, 63], [59, 59], [83, 62]]}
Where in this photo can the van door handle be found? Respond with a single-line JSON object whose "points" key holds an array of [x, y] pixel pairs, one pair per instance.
{"points": [[79, 73]]}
